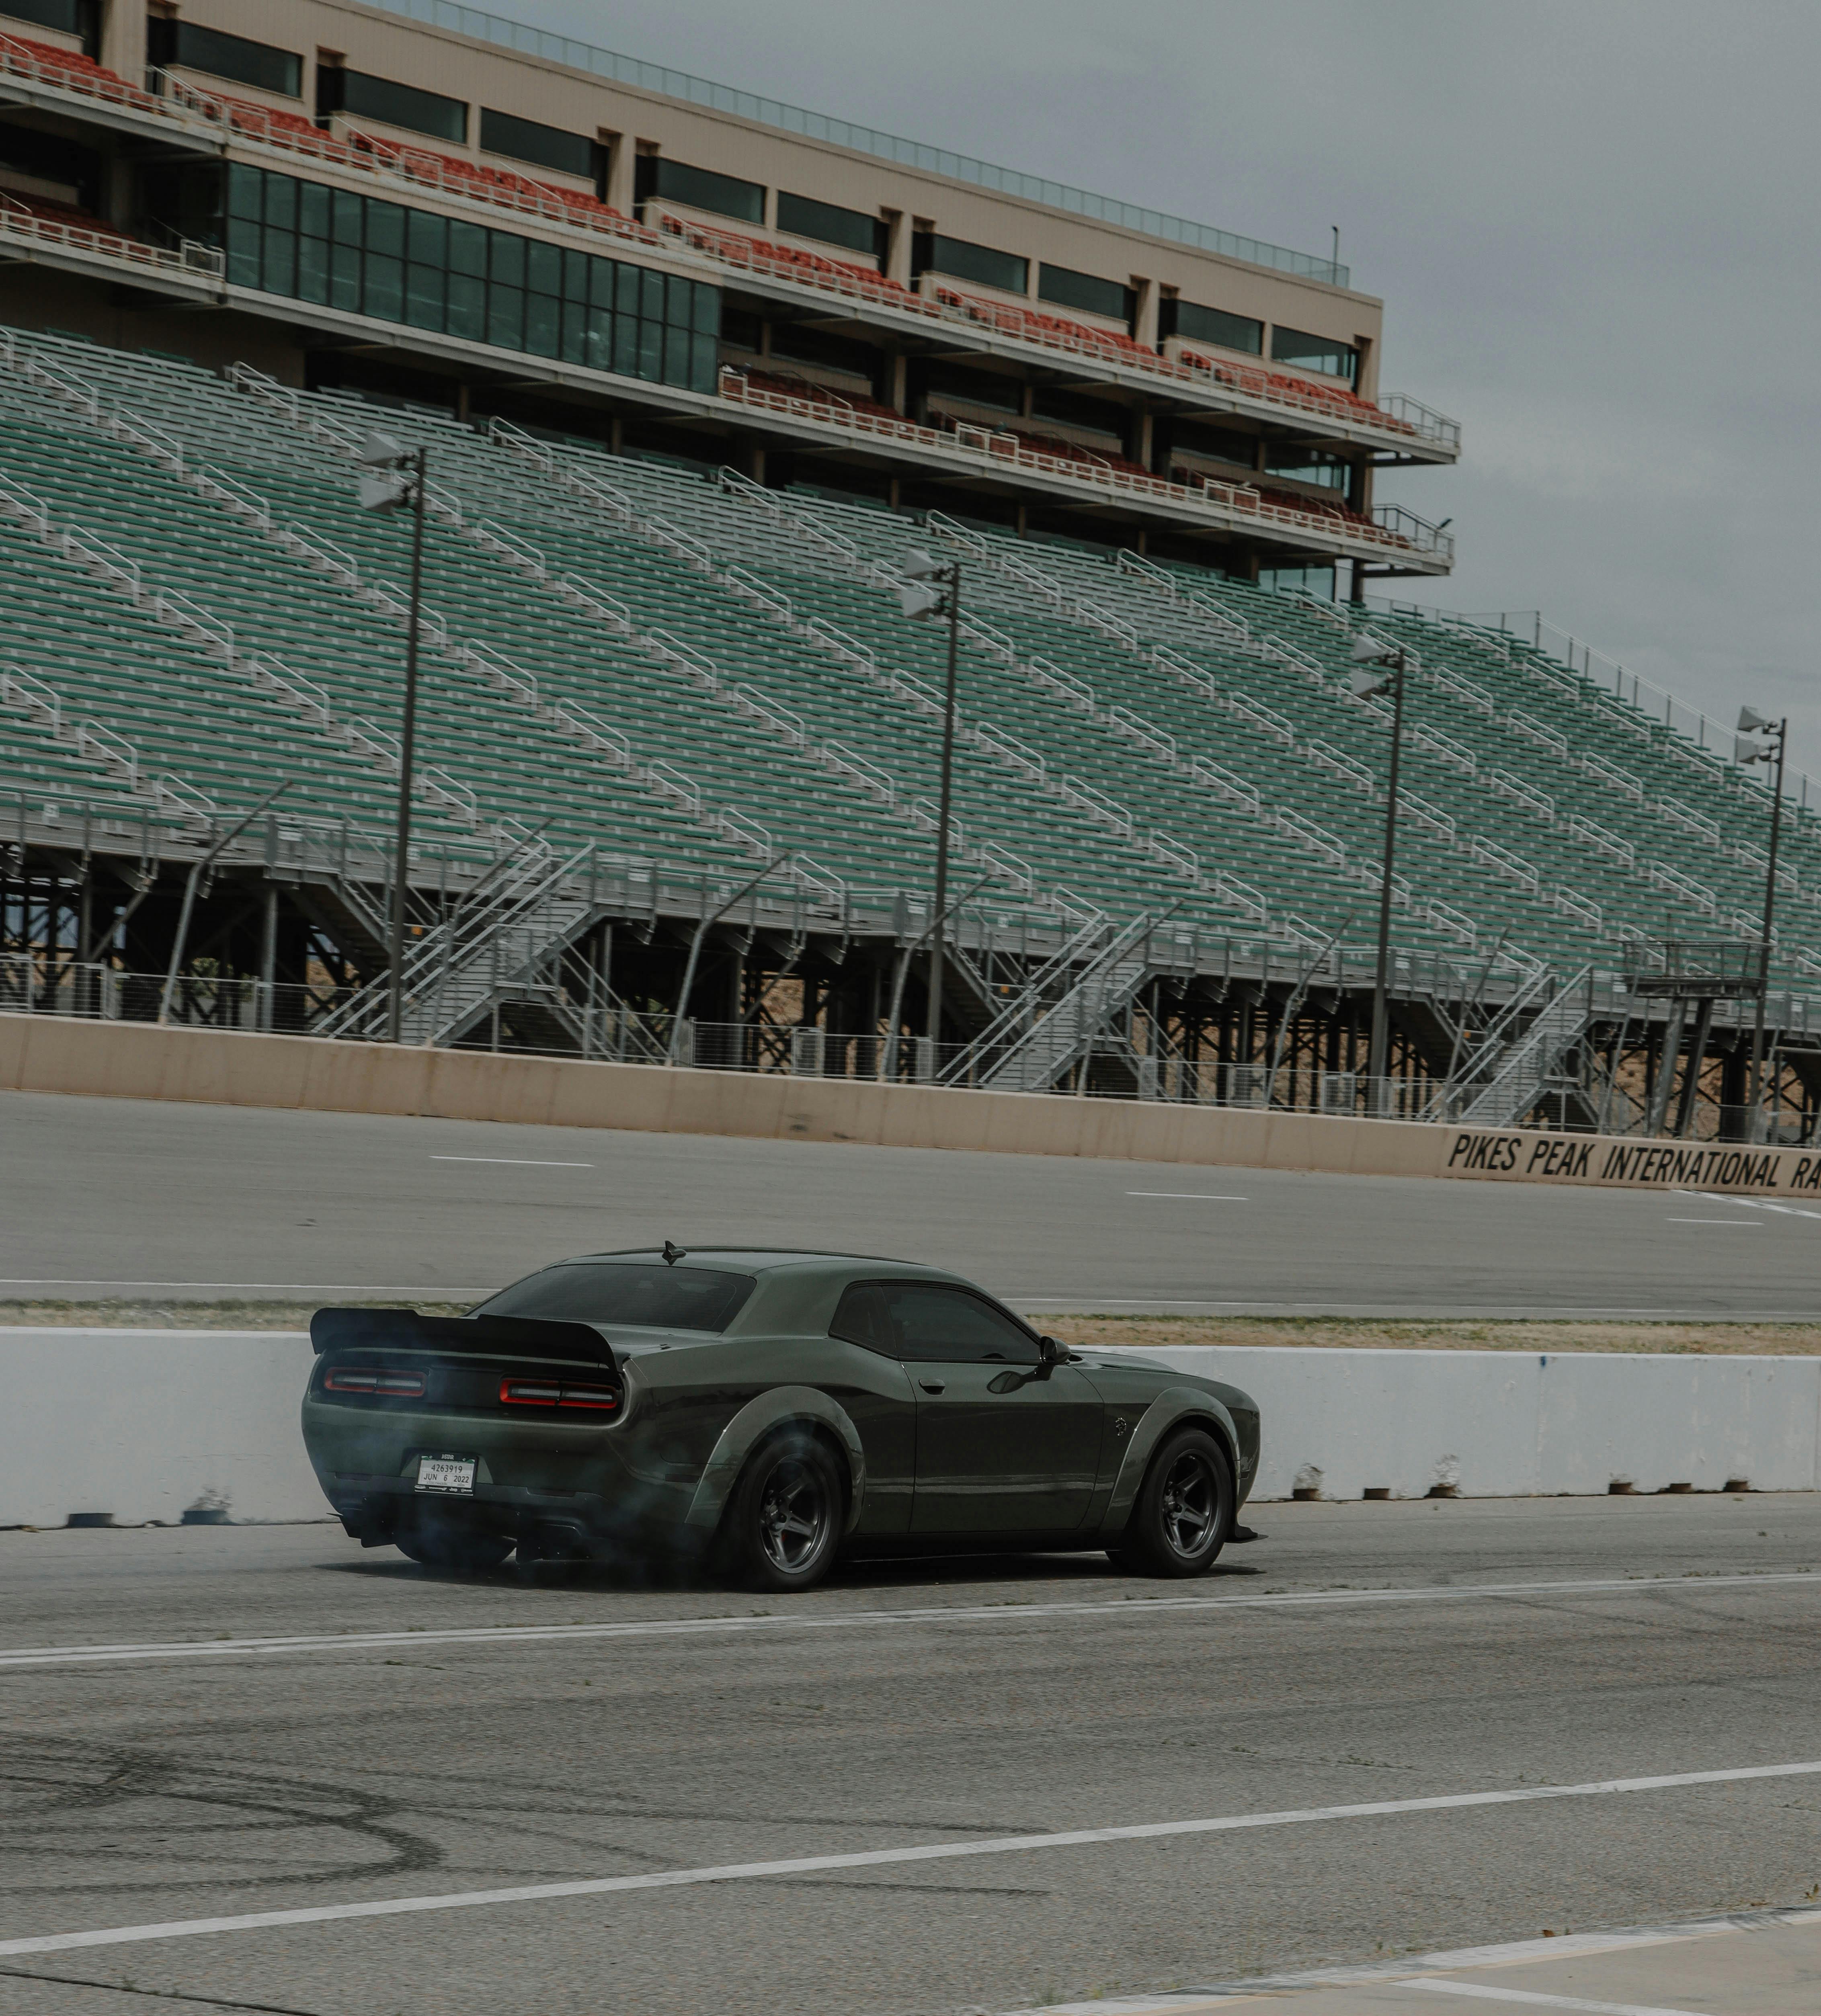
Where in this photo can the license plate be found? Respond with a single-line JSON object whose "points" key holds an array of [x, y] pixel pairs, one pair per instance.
{"points": [[453, 1475]]}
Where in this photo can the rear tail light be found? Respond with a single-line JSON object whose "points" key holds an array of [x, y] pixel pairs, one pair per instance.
{"points": [[551, 1393], [375, 1381]]}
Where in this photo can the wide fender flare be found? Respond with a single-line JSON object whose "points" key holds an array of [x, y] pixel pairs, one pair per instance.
{"points": [[748, 1428], [1174, 1404]]}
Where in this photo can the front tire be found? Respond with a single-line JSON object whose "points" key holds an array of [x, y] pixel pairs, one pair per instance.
{"points": [[784, 1520], [1183, 1512]]}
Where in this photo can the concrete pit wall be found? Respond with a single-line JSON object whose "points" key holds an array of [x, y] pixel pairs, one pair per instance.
{"points": [[144, 1425], [139, 1061]]}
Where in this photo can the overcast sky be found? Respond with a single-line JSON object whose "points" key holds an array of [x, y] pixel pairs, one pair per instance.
{"points": [[1592, 223]]}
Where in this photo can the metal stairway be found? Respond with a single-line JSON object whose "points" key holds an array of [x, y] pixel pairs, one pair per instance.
{"points": [[493, 949], [1513, 1078], [1056, 1021]]}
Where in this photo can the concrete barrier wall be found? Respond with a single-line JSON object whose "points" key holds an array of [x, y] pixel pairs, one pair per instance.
{"points": [[145, 1424], [139, 1061]]}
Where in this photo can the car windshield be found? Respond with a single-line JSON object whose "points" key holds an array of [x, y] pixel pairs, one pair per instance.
{"points": [[644, 1297]]}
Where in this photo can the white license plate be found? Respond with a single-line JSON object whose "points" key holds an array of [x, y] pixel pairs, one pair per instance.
{"points": [[452, 1474]]}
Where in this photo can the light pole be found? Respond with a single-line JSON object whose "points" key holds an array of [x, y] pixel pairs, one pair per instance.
{"points": [[392, 477], [931, 588], [1751, 723], [1390, 661]]}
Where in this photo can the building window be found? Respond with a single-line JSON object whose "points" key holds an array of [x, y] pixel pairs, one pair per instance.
{"points": [[1309, 465], [67, 17], [1214, 326], [1312, 580], [957, 260], [544, 146], [804, 216], [1070, 289], [218, 55], [1314, 353], [370, 257], [700, 189], [363, 97]]}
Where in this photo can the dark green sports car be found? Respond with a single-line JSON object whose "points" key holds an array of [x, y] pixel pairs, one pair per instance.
{"points": [[770, 1410]]}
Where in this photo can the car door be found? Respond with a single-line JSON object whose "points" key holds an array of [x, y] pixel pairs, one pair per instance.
{"points": [[1002, 1447]]}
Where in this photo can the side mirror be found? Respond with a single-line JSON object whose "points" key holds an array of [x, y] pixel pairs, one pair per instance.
{"points": [[1051, 1351]]}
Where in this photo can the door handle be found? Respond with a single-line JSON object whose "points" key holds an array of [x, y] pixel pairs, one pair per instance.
{"points": [[933, 1385]]}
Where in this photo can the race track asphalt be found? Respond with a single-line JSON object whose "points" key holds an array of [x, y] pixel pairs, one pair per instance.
{"points": [[1358, 1654], [103, 1197]]}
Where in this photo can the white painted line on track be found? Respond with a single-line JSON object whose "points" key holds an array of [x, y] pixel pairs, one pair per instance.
{"points": [[512, 1161], [1483, 1991], [881, 1858], [1128, 1609], [1750, 1224], [291, 1288], [1193, 1197]]}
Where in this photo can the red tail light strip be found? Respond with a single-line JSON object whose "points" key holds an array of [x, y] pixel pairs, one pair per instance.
{"points": [[378, 1383], [547, 1393]]}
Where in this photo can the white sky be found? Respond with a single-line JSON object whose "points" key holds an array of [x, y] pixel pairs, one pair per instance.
{"points": [[1592, 221]]}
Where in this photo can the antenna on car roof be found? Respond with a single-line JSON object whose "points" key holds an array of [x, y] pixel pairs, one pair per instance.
{"points": [[673, 1254]]}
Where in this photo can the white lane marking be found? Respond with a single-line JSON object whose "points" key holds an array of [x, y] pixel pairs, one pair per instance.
{"points": [[1750, 1203], [1486, 1993], [1196, 1197], [1209, 1997], [512, 1161], [1125, 1609], [880, 1858], [1750, 1224]]}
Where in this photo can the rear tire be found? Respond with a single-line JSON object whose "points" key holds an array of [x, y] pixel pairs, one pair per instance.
{"points": [[1183, 1511], [433, 1544], [783, 1524]]}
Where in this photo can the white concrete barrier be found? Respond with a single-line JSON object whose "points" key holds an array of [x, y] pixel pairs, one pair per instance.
{"points": [[144, 1425]]}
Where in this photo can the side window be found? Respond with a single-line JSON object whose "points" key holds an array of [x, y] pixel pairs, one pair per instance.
{"points": [[861, 1318], [950, 1325]]}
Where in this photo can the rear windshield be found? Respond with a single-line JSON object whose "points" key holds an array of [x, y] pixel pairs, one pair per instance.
{"points": [[653, 1297]]}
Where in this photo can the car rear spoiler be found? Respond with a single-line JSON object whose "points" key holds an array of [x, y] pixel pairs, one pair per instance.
{"points": [[405, 1329]]}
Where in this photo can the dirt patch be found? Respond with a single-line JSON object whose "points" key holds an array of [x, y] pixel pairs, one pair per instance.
{"points": [[1342, 1333]]}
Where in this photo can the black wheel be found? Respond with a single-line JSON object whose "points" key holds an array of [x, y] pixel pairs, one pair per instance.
{"points": [[1183, 1512], [784, 1520], [435, 1543]]}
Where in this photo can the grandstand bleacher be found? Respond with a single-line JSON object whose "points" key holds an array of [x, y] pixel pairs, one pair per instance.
{"points": [[663, 657]]}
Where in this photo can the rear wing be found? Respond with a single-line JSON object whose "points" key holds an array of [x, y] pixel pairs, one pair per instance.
{"points": [[405, 1329]]}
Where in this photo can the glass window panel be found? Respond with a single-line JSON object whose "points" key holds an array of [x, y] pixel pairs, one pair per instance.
{"points": [[701, 189], [348, 210], [544, 267], [313, 210], [676, 342], [651, 351], [1314, 353], [1216, 325], [506, 317], [385, 230], [804, 216], [404, 105], [281, 203], [575, 266], [651, 295], [597, 352], [677, 302], [602, 275], [574, 349], [222, 54], [427, 239], [423, 295], [525, 140], [467, 249], [543, 324], [313, 269], [385, 288], [625, 298], [704, 364], [625, 346], [242, 252], [706, 321], [962, 260], [508, 261], [468, 306], [246, 191], [278, 273], [1086, 291], [345, 277]]}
